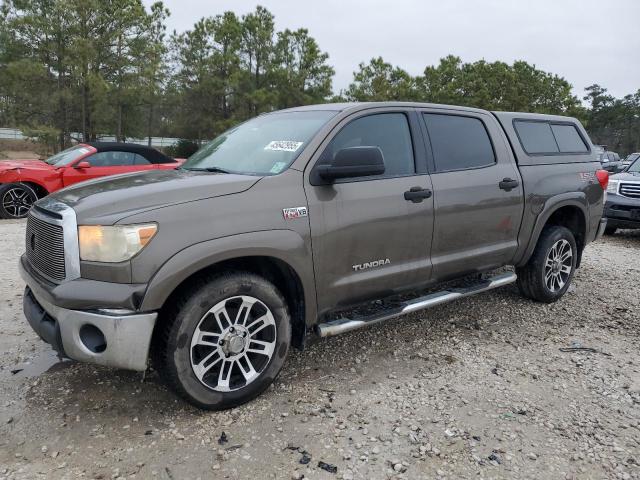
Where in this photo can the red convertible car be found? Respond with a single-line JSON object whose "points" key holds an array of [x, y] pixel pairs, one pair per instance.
{"points": [[22, 182]]}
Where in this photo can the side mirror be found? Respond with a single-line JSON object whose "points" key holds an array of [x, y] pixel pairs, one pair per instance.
{"points": [[353, 162], [83, 165]]}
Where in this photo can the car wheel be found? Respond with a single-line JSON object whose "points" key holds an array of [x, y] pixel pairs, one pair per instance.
{"points": [[16, 199], [610, 230], [548, 273], [224, 342]]}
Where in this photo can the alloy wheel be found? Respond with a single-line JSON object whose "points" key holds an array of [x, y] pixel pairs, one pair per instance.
{"points": [[17, 201], [233, 343], [558, 265]]}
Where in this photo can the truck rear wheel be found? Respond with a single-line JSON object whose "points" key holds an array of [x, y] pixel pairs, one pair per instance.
{"points": [[224, 342], [548, 273]]}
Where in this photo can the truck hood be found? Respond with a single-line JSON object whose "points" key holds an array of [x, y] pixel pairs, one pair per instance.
{"points": [[25, 164], [108, 200], [626, 176]]}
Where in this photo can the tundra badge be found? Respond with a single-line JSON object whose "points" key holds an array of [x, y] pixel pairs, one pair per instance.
{"points": [[375, 263]]}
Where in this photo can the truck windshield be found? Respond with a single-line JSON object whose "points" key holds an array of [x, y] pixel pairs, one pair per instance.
{"points": [[634, 167], [65, 157], [265, 145]]}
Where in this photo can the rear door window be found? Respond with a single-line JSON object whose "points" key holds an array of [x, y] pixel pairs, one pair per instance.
{"points": [[458, 142]]}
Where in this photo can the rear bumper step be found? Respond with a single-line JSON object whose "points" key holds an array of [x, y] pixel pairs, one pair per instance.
{"points": [[343, 325]]}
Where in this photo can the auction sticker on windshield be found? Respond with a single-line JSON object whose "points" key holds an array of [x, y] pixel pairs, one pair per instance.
{"points": [[278, 167], [283, 145]]}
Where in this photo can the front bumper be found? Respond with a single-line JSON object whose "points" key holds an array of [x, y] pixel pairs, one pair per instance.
{"points": [[621, 212], [120, 341]]}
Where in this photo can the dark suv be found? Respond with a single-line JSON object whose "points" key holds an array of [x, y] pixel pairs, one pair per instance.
{"points": [[623, 199]]}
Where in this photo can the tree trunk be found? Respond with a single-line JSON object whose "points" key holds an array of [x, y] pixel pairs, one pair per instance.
{"points": [[119, 123], [150, 122], [119, 136], [85, 108]]}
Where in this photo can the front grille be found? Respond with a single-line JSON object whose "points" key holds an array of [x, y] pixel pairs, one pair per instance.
{"points": [[631, 190], [45, 248]]}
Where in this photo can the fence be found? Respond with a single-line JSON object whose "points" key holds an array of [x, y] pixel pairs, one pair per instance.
{"points": [[11, 134], [15, 134]]}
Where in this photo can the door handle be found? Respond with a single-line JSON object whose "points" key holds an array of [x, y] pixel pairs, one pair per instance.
{"points": [[417, 194], [508, 184]]}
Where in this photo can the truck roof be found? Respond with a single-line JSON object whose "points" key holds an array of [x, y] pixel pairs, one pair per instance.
{"points": [[340, 107], [508, 116]]}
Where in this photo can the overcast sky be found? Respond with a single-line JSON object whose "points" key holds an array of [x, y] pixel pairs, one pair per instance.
{"points": [[585, 41]]}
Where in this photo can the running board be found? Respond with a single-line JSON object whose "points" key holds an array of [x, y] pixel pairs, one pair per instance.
{"points": [[343, 325]]}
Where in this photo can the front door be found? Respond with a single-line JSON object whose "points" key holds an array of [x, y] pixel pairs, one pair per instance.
{"points": [[368, 240], [477, 193]]}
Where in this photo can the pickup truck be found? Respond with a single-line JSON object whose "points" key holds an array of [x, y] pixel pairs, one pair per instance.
{"points": [[285, 224]]}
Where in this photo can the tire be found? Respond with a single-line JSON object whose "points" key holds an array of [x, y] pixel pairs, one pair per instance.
{"points": [[15, 200], [218, 376], [548, 273], [610, 230]]}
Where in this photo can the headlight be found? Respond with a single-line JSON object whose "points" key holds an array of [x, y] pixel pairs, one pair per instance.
{"points": [[613, 186], [114, 243]]}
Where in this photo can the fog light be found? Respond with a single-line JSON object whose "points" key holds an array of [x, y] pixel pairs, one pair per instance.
{"points": [[92, 338]]}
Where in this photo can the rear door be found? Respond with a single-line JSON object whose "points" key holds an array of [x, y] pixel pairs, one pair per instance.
{"points": [[369, 241], [477, 192]]}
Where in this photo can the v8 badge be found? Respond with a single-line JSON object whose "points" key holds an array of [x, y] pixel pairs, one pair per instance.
{"points": [[294, 212]]}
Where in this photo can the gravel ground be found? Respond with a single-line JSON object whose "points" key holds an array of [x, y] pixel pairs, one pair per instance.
{"points": [[478, 388]]}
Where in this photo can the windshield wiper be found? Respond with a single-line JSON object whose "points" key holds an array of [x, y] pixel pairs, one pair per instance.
{"points": [[208, 169], [217, 170]]}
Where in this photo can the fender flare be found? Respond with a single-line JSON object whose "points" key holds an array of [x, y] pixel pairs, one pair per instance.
{"points": [[15, 175], [552, 205], [29, 184], [284, 245]]}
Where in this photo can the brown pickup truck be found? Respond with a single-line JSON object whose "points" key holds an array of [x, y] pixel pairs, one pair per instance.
{"points": [[213, 270]]}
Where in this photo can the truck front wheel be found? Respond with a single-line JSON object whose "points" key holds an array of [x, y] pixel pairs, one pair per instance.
{"points": [[548, 273], [224, 342]]}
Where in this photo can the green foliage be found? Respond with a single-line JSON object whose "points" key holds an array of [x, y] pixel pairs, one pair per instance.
{"points": [[380, 81], [182, 149], [492, 86], [230, 69], [300, 73], [613, 122], [85, 66], [98, 67], [44, 135]]}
